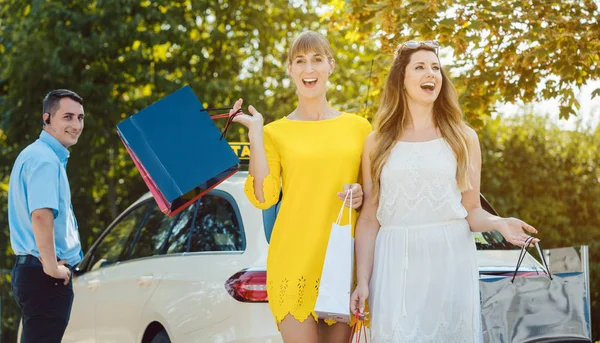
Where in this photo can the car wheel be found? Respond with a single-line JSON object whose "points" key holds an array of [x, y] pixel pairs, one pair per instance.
{"points": [[161, 337]]}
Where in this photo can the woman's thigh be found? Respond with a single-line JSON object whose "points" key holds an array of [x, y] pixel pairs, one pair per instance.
{"points": [[336, 333], [294, 331]]}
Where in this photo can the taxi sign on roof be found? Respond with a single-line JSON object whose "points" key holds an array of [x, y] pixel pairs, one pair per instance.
{"points": [[241, 149]]}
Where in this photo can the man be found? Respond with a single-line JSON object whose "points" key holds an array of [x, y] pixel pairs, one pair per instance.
{"points": [[43, 229]]}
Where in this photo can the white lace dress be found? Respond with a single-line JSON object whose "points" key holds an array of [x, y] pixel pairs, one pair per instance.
{"points": [[424, 286]]}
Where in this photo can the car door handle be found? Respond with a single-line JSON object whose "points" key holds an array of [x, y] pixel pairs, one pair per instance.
{"points": [[146, 280], [92, 285]]}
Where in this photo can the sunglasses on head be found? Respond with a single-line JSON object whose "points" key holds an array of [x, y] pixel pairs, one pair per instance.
{"points": [[411, 44]]}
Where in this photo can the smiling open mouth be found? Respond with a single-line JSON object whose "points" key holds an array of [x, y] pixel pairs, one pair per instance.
{"points": [[428, 86], [309, 82]]}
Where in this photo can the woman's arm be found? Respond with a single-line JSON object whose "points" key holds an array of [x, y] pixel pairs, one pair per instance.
{"points": [[263, 184], [367, 228], [480, 220]]}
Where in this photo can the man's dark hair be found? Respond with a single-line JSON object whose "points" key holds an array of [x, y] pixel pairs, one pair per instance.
{"points": [[52, 100]]}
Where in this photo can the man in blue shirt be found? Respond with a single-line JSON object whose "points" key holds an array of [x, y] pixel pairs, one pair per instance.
{"points": [[43, 229]]}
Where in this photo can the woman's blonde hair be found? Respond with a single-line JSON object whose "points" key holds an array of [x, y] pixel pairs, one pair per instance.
{"points": [[393, 116], [310, 41]]}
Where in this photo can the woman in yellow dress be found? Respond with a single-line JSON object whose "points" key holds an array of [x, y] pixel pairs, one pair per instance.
{"points": [[313, 155]]}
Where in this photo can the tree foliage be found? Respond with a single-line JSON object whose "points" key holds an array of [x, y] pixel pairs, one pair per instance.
{"points": [[505, 51], [122, 56], [550, 179]]}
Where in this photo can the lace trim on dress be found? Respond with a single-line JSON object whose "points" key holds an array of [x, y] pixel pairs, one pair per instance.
{"points": [[438, 197], [296, 297], [271, 189], [293, 296], [417, 186]]}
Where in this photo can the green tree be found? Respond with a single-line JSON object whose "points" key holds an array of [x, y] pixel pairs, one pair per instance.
{"points": [[503, 50], [549, 178], [122, 56]]}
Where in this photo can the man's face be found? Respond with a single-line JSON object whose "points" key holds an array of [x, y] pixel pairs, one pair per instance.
{"points": [[67, 123]]}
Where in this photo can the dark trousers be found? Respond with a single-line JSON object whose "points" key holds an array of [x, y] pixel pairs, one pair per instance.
{"points": [[45, 303]]}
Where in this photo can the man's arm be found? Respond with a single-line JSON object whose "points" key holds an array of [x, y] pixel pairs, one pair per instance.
{"points": [[42, 221]]}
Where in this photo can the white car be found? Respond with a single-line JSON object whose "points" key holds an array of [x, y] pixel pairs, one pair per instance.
{"points": [[198, 276]]}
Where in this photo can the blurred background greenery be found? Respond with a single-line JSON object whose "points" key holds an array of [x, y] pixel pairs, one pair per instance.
{"points": [[121, 56]]}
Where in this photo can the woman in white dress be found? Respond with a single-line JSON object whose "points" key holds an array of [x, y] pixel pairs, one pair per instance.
{"points": [[416, 257]]}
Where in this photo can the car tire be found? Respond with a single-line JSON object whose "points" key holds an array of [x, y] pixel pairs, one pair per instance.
{"points": [[161, 337]]}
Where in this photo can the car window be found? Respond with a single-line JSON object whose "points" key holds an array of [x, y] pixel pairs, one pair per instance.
{"points": [[491, 240], [178, 237], [217, 227], [113, 245], [150, 239]]}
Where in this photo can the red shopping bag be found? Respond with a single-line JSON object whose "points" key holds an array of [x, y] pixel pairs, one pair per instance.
{"points": [[358, 329]]}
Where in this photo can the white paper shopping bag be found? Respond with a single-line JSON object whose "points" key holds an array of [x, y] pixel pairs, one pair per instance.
{"points": [[333, 301]]}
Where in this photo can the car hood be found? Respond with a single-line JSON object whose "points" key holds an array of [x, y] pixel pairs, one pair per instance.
{"points": [[504, 261]]}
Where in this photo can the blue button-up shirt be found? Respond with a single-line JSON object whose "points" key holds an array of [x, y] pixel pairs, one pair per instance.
{"points": [[39, 180]]}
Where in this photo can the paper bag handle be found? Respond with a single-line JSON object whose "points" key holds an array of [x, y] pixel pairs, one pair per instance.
{"points": [[339, 218], [357, 329], [223, 115], [524, 253]]}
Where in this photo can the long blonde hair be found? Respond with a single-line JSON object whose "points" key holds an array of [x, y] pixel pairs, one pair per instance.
{"points": [[392, 117]]}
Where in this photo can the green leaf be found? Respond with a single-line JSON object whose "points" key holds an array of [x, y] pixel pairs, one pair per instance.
{"points": [[565, 112]]}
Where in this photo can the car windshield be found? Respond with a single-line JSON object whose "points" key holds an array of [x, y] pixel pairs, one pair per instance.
{"points": [[491, 241]]}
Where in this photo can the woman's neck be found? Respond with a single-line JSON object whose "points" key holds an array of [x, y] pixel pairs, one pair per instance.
{"points": [[313, 109], [421, 116]]}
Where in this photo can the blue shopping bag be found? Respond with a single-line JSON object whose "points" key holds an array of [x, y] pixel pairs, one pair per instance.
{"points": [[178, 150]]}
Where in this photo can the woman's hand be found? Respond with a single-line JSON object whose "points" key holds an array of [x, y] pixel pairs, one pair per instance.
{"points": [[253, 122], [513, 230], [357, 195], [358, 300]]}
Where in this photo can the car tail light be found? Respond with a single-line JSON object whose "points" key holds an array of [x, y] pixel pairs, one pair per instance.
{"points": [[248, 286]]}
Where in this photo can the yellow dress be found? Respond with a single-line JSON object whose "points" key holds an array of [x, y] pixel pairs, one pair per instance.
{"points": [[311, 161]]}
